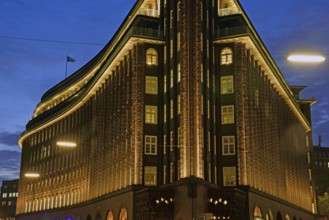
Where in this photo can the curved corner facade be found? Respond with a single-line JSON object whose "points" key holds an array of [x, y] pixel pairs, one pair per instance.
{"points": [[182, 115]]}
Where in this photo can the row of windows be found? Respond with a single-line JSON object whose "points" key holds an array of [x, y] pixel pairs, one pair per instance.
{"points": [[322, 164], [151, 113], [150, 175], [9, 203], [150, 144], [9, 195]]}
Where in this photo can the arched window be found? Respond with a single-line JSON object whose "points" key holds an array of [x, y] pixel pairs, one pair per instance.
{"points": [[269, 215], [279, 216], [258, 214], [226, 56], [151, 57], [109, 215], [287, 217], [123, 214]]}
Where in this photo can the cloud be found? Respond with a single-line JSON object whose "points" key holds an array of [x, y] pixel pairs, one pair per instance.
{"points": [[9, 165], [9, 138]]}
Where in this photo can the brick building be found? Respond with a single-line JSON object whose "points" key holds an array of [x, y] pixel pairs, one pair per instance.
{"points": [[182, 115]]}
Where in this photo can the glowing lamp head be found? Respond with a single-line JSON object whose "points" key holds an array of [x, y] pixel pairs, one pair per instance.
{"points": [[32, 175], [66, 144], [306, 58]]}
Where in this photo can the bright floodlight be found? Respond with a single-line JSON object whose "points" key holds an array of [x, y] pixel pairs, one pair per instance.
{"points": [[32, 175], [306, 58], [66, 144]]}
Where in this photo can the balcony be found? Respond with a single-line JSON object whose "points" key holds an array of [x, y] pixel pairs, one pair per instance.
{"points": [[149, 12], [231, 31], [228, 11]]}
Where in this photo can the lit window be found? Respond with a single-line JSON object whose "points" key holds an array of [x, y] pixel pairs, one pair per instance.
{"points": [[228, 114], [150, 176], [171, 140], [257, 213], [171, 108], [165, 83], [228, 143], [229, 176], [171, 48], [178, 72], [151, 114], [151, 57], [150, 145], [164, 144], [171, 78], [165, 113], [4, 195], [226, 56], [226, 84], [151, 85]]}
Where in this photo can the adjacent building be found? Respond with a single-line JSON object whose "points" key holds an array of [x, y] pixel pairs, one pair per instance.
{"points": [[8, 199], [182, 115]]}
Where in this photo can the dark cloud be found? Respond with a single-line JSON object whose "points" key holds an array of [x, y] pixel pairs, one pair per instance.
{"points": [[9, 165], [9, 138]]}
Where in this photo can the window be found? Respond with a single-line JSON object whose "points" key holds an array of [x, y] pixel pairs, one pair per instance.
{"points": [[229, 176], [171, 48], [178, 73], [178, 104], [228, 114], [165, 113], [171, 108], [151, 57], [110, 216], [171, 140], [171, 172], [226, 84], [228, 143], [179, 137], [150, 176], [123, 214], [258, 213], [150, 145], [151, 85], [226, 56], [164, 144], [178, 41], [171, 78], [4, 195], [165, 83], [151, 114], [164, 174]]}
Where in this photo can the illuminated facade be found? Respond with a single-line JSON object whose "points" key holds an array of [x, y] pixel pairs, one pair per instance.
{"points": [[182, 115]]}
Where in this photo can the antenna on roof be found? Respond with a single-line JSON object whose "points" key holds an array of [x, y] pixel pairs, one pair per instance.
{"points": [[320, 140]]}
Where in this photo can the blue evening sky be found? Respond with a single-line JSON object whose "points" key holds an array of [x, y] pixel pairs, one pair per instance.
{"points": [[36, 36]]}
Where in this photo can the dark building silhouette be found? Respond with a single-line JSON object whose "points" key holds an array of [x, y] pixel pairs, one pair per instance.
{"points": [[8, 199], [182, 115]]}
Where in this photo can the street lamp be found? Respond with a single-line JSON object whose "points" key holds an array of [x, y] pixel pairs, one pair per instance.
{"points": [[32, 175], [301, 58], [66, 144]]}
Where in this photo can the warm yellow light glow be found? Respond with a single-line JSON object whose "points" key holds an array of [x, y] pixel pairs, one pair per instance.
{"points": [[32, 175], [66, 144], [307, 58]]}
